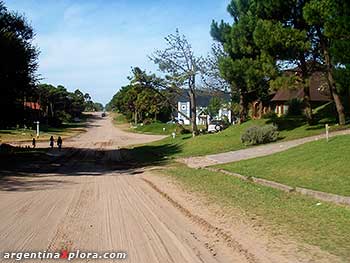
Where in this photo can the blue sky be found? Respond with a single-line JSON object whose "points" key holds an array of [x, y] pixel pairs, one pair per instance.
{"points": [[92, 44]]}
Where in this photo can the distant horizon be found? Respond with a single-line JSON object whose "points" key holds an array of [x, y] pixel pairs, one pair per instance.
{"points": [[92, 45]]}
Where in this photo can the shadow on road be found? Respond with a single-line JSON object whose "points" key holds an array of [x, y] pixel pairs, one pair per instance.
{"points": [[36, 170]]}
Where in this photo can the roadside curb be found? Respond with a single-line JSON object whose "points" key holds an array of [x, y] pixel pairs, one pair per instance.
{"points": [[327, 197]]}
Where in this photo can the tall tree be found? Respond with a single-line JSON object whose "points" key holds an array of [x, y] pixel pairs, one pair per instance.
{"points": [[244, 65], [18, 65], [179, 61], [331, 22], [283, 33]]}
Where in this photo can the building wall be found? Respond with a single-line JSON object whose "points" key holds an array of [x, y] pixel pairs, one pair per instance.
{"points": [[281, 109], [225, 112], [184, 107]]}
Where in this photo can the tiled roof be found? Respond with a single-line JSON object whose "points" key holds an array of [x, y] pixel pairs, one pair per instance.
{"points": [[319, 90], [32, 105]]}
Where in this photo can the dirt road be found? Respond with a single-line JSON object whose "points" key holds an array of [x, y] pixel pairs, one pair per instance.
{"points": [[82, 199], [79, 202]]}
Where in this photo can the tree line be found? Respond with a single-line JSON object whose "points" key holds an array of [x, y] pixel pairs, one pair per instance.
{"points": [[59, 105], [266, 36], [250, 54], [141, 100], [21, 95]]}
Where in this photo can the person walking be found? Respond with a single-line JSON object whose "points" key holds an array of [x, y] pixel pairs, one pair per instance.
{"points": [[33, 142], [59, 142], [52, 141]]}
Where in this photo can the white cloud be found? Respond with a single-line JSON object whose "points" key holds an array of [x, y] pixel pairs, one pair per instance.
{"points": [[92, 45]]}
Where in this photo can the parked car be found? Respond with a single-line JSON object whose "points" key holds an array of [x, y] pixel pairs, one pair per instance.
{"points": [[216, 126]]}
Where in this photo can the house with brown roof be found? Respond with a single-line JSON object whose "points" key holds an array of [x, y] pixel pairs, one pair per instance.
{"points": [[319, 94], [32, 105], [33, 111]]}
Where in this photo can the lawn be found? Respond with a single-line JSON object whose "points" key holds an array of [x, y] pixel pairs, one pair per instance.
{"points": [[65, 131], [316, 165], [157, 128], [326, 225], [118, 118], [227, 140]]}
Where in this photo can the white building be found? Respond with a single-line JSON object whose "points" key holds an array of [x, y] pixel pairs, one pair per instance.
{"points": [[184, 108]]}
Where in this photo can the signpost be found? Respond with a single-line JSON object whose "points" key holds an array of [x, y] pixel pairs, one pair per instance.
{"points": [[327, 132], [37, 128]]}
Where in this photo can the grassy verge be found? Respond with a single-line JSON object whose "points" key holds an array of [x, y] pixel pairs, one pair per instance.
{"points": [[65, 131], [316, 165], [118, 118], [229, 139], [326, 225], [156, 128]]}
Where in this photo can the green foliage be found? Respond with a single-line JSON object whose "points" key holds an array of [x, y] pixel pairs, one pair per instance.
{"points": [[270, 115], [289, 128], [178, 60], [18, 65], [180, 129], [259, 135], [295, 107], [141, 99], [59, 105], [214, 106], [243, 65], [330, 20]]}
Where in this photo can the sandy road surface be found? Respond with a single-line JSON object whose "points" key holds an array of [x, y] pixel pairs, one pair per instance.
{"points": [[80, 202], [83, 199]]}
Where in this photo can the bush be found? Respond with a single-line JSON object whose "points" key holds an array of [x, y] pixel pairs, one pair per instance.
{"points": [[147, 121], [270, 115], [226, 121], [259, 135], [182, 130], [295, 107]]}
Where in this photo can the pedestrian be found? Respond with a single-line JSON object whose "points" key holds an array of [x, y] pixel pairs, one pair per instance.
{"points": [[33, 142], [59, 142], [52, 140]]}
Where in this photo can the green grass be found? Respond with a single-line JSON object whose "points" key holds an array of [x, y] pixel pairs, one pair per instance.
{"points": [[119, 118], [316, 165], [326, 225], [229, 139], [67, 129], [156, 128], [16, 135]]}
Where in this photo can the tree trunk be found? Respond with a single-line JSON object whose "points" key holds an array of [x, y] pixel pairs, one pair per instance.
{"points": [[331, 83], [243, 107], [306, 89], [260, 110], [193, 107], [135, 117]]}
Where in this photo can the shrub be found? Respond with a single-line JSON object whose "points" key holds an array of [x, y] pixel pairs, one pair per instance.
{"points": [[182, 130], [147, 121], [259, 135], [270, 115], [226, 120], [295, 107]]}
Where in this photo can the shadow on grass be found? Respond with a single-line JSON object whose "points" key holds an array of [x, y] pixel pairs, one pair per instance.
{"points": [[285, 123], [38, 169]]}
